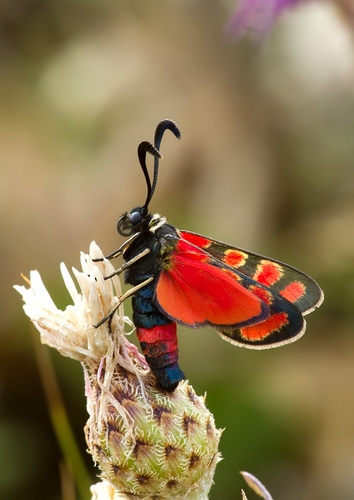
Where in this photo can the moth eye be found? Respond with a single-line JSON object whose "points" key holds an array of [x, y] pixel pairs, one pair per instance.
{"points": [[135, 218]]}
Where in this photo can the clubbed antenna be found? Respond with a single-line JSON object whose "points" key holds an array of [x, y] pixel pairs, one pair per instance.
{"points": [[159, 132]]}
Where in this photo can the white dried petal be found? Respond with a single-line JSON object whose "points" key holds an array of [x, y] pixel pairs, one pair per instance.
{"points": [[256, 485]]}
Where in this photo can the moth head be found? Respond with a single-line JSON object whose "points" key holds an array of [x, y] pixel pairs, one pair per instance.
{"points": [[139, 219], [132, 222]]}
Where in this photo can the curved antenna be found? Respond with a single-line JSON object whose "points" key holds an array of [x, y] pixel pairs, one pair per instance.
{"points": [[162, 127], [143, 148], [159, 132]]}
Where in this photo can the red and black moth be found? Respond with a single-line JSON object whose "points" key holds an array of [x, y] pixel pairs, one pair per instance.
{"points": [[180, 277]]}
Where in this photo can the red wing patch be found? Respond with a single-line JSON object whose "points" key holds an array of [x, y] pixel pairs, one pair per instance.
{"points": [[194, 289], [258, 333], [268, 273], [234, 258], [293, 291], [196, 239]]}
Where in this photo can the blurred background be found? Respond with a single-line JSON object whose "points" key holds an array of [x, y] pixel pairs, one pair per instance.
{"points": [[265, 163]]}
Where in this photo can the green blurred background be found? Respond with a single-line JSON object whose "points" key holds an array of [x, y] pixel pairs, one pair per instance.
{"points": [[265, 163]]}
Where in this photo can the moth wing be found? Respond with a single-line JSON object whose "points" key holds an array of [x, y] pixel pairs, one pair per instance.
{"points": [[285, 322], [287, 281]]}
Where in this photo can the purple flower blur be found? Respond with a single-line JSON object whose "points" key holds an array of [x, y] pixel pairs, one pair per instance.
{"points": [[256, 16]]}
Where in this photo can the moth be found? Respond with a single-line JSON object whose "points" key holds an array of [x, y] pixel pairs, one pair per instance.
{"points": [[180, 277]]}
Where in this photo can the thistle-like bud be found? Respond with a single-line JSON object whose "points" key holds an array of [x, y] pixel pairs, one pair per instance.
{"points": [[147, 443]]}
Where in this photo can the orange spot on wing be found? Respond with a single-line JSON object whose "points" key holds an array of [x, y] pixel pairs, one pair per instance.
{"points": [[268, 272], [293, 291], [262, 330], [234, 258], [265, 295]]}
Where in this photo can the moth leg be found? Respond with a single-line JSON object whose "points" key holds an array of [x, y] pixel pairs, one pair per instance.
{"points": [[127, 294], [127, 264], [119, 250]]}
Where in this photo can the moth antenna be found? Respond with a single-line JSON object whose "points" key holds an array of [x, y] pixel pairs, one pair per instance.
{"points": [[162, 127], [143, 148], [159, 132]]}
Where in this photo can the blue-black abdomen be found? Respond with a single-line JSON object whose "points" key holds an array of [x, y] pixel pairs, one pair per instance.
{"points": [[156, 332]]}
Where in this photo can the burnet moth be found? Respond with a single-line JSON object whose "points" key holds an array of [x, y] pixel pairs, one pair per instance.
{"points": [[180, 277]]}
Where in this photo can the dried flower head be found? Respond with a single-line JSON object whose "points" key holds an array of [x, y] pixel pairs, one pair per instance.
{"points": [[148, 443]]}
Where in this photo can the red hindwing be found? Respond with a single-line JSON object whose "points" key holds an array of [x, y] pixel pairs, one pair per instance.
{"points": [[196, 289]]}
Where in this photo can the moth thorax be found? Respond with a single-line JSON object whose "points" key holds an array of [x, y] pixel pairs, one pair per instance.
{"points": [[156, 222]]}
